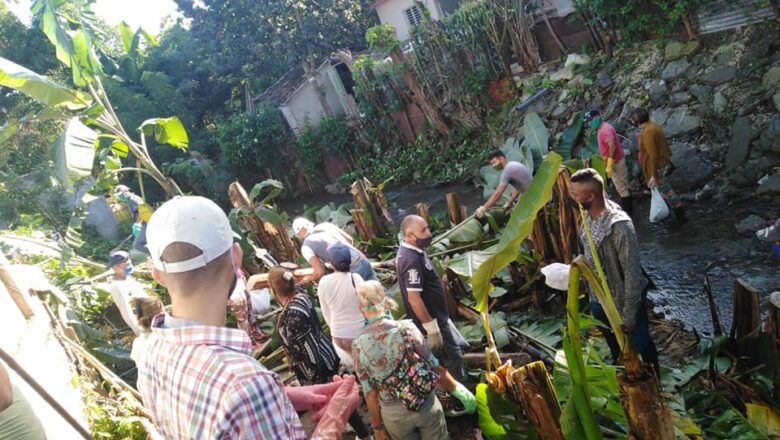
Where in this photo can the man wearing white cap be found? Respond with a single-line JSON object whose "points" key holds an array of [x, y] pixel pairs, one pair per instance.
{"points": [[196, 376], [316, 242]]}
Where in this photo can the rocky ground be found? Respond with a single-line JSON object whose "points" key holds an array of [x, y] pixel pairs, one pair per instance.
{"points": [[718, 100]]}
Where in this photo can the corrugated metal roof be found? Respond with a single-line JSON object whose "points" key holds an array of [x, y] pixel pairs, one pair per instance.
{"points": [[720, 15]]}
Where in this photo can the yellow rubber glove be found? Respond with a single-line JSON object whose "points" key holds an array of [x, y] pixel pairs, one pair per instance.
{"points": [[610, 166]]}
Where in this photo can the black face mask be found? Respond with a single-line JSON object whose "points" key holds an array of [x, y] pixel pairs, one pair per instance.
{"points": [[586, 205], [423, 243]]}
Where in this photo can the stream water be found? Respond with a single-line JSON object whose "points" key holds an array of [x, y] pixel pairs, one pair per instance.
{"points": [[676, 258]]}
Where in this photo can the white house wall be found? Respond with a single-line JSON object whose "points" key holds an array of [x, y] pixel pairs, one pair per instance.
{"points": [[305, 103], [392, 12]]}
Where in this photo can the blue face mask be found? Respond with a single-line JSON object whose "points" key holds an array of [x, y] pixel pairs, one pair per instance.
{"points": [[123, 197], [594, 124], [128, 269]]}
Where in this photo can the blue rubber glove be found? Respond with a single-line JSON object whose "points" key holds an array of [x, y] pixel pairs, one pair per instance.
{"points": [[136, 229], [466, 398]]}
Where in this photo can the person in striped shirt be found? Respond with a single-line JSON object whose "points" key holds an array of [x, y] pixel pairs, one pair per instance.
{"points": [[196, 376]]}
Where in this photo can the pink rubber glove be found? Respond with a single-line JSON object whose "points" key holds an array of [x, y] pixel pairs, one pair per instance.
{"points": [[312, 397], [333, 418]]}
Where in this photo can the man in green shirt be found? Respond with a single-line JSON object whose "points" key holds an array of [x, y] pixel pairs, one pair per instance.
{"points": [[17, 419]]}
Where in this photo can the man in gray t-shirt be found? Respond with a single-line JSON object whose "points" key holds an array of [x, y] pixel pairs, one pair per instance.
{"points": [[513, 173]]}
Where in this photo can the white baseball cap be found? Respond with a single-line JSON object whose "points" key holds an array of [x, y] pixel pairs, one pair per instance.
{"points": [[302, 223], [188, 219]]}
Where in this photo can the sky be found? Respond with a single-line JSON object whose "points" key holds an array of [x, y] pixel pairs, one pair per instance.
{"points": [[146, 13]]}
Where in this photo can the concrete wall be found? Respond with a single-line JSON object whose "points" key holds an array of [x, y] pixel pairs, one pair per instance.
{"points": [[392, 12], [306, 103]]}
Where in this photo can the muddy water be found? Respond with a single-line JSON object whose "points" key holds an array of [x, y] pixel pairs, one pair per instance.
{"points": [[676, 258]]}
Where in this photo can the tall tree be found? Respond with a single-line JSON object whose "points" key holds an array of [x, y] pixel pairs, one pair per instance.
{"points": [[261, 40]]}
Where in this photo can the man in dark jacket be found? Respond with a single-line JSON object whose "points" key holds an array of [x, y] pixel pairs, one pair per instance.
{"points": [[618, 250]]}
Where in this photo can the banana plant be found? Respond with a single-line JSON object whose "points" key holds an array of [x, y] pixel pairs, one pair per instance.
{"points": [[517, 229], [71, 27]]}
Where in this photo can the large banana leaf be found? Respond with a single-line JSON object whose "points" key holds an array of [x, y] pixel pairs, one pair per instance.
{"points": [[499, 417], [570, 137], [73, 44], [467, 263], [74, 153], [517, 229], [167, 131], [578, 420], [766, 419], [40, 88], [537, 138]]}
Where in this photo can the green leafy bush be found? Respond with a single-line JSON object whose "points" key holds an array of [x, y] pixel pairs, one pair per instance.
{"points": [[253, 141]]}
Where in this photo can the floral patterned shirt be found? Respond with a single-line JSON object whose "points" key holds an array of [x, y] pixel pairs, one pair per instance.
{"points": [[378, 351]]}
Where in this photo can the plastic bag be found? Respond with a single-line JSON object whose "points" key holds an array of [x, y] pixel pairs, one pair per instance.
{"points": [[659, 210], [557, 275]]}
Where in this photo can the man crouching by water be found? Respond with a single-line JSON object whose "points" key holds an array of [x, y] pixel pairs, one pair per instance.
{"points": [[196, 376], [618, 250]]}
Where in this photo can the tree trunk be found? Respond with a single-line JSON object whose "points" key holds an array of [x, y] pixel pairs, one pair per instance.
{"points": [[372, 202], [13, 290], [431, 112], [531, 386], [361, 225], [747, 315], [648, 416], [422, 211], [454, 212], [274, 238]]}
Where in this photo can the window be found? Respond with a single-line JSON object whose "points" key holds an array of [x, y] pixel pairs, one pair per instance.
{"points": [[413, 16]]}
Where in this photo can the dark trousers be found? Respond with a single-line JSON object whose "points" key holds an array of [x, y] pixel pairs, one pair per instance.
{"points": [[450, 356], [639, 339]]}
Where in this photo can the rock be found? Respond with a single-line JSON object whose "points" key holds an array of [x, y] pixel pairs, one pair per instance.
{"points": [[575, 59], [748, 173], [603, 80], [771, 80], [739, 147], [702, 93], [726, 56], [776, 101], [335, 188], [675, 49], [691, 169], [751, 223], [676, 122], [578, 80], [658, 92], [769, 185], [680, 98], [719, 102], [565, 94], [560, 111], [770, 138], [719, 75], [564, 74], [706, 193], [675, 69]]}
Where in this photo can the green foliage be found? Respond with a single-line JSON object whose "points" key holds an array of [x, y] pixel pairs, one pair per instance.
{"points": [[517, 229], [381, 38], [167, 131], [428, 159], [40, 88], [252, 142], [639, 19], [577, 419], [111, 415]]}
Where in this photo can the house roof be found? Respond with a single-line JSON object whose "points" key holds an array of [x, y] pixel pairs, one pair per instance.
{"points": [[377, 3], [283, 89]]}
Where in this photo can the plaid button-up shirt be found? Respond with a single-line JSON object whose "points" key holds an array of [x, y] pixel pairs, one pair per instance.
{"points": [[199, 382]]}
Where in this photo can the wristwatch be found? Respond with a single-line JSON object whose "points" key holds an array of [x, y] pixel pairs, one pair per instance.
{"points": [[377, 427]]}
